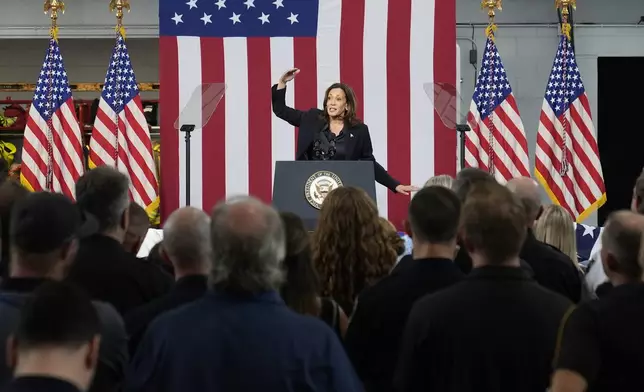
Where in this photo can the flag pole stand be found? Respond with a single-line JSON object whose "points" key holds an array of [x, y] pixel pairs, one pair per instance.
{"points": [[461, 129], [187, 129]]}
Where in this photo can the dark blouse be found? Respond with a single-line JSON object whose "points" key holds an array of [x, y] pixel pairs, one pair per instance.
{"points": [[328, 147]]}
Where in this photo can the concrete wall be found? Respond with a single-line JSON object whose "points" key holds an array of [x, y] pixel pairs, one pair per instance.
{"points": [[529, 45]]}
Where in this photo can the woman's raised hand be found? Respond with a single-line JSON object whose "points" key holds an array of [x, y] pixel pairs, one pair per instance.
{"points": [[287, 77]]}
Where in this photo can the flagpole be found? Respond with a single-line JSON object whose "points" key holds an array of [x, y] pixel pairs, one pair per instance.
{"points": [[117, 6], [492, 6], [51, 7], [566, 28]]}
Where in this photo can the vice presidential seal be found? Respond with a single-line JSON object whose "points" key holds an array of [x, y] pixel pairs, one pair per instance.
{"points": [[318, 187]]}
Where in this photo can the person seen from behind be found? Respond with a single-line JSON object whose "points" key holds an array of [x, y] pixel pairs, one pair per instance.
{"points": [[552, 268], [596, 278], [376, 327], [103, 267], [493, 331], [45, 231], [56, 345], [301, 291], [186, 243], [602, 348], [241, 336], [350, 250]]}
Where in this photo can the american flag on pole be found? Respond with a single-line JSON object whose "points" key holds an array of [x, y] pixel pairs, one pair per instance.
{"points": [[120, 112], [497, 141], [52, 153], [385, 49], [567, 158]]}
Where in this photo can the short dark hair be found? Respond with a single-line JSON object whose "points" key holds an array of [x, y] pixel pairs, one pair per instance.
{"points": [[43, 222], [58, 314], [467, 178], [138, 216], [624, 241], [104, 193], [493, 222], [434, 214]]}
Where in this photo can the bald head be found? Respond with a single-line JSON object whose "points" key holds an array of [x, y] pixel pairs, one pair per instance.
{"points": [[248, 244], [527, 190], [621, 242], [186, 241]]}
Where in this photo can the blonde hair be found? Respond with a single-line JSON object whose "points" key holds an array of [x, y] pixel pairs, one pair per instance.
{"points": [[555, 227], [443, 180]]}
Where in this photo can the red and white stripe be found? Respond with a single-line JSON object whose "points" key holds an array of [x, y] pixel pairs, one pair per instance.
{"points": [[67, 158], [581, 191], [135, 156], [385, 49]]}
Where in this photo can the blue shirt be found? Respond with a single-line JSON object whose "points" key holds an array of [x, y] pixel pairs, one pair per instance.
{"points": [[231, 343]]}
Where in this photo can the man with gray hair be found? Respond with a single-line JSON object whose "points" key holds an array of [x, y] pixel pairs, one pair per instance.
{"points": [[241, 337], [103, 267], [602, 346], [186, 244]]}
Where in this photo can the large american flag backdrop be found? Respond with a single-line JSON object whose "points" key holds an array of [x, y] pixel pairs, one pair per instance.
{"points": [[497, 141], [567, 158], [385, 49], [52, 152], [120, 137]]}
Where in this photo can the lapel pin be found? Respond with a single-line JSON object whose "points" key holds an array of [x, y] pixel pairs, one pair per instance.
{"points": [[351, 134]]}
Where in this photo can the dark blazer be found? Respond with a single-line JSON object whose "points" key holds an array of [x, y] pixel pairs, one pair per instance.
{"points": [[374, 334], [494, 331], [552, 269], [186, 290], [311, 122], [110, 274]]}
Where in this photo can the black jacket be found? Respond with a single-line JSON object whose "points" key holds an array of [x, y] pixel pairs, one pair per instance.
{"points": [[113, 355], [494, 331], [552, 268], [311, 122], [110, 274], [374, 334]]}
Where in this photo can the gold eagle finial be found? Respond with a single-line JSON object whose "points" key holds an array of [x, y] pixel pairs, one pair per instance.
{"points": [[52, 7]]}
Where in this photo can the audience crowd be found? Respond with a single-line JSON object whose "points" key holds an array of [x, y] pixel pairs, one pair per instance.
{"points": [[481, 292]]}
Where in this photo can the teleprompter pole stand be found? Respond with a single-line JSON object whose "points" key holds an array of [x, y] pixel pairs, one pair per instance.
{"points": [[461, 129], [187, 129]]}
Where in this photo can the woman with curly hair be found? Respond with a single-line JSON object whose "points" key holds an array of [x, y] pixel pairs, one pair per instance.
{"points": [[350, 247]]}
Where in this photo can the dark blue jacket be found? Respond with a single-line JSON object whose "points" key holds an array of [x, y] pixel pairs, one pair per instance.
{"points": [[229, 343]]}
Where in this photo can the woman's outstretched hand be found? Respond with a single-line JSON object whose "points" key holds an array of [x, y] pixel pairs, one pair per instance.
{"points": [[287, 77], [406, 189]]}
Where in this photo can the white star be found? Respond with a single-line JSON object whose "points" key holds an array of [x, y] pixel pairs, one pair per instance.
{"points": [[264, 18], [177, 18], [278, 3], [206, 18], [192, 3], [588, 230], [235, 18], [221, 4], [293, 18], [249, 3]]}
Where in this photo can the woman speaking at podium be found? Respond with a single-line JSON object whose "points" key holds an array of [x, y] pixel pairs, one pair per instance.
{"points": [[333, 133]]}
